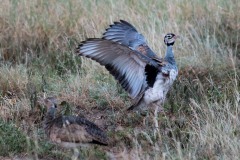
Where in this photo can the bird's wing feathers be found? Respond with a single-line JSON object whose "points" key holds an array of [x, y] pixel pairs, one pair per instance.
{"points": [[77, 129], [71, 133], [98, 135], [126, 34], [125, 64]]}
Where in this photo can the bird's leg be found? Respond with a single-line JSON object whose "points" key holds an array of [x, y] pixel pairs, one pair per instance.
{"points": [[152, 112], [159, 104], [155, 120], [145, 119], [156, 132], [75, 154]]}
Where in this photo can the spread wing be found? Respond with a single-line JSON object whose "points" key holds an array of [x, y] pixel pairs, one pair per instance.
{"points": [[126, 34], [125, 64]]}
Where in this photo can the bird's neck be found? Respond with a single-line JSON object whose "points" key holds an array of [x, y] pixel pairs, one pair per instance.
{"points": [[170, 55], [50, 114]]}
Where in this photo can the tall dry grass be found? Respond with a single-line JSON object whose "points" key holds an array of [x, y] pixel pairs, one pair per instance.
{"points": [[37, 42]]}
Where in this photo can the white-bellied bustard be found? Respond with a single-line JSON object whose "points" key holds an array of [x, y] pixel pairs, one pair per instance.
{"points": [[125, 54], [71, 131]]}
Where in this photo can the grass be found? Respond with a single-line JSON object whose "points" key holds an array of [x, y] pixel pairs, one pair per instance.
{"points": [[12, 140], [37, 42]]}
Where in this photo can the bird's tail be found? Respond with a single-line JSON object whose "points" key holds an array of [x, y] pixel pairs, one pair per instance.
{"points": [[138, 106]]}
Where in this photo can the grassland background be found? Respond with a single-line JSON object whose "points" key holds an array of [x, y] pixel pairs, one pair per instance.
{"points": [[37, 42]]}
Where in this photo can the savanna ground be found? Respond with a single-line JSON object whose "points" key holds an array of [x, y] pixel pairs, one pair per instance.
{"points": [[202, 113]]}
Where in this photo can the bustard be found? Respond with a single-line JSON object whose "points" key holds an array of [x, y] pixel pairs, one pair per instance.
{"points": [[70, 131], [125, 54]]}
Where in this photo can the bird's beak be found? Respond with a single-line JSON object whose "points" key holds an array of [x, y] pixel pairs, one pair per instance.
{"points": [[176, 36]]}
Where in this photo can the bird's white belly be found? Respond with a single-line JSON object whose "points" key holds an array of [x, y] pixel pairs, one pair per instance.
{"points": [[160, 88], [156, 93]]}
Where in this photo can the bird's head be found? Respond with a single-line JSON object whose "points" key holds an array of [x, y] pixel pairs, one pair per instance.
{"points": [[169, 39], [50, 103]]}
